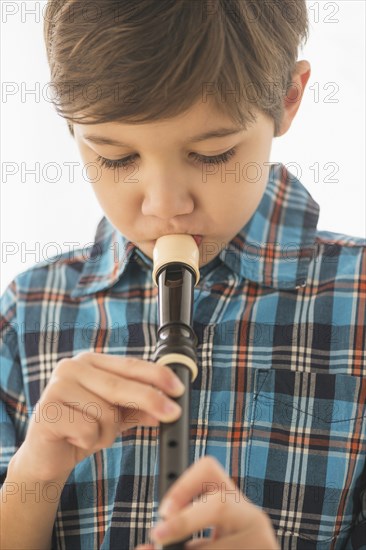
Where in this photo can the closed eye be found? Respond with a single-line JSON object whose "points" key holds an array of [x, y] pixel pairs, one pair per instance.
{"points": [[200, 159]]}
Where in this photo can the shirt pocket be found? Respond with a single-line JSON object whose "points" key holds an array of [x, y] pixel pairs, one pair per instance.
{"points": [[306, 452]]}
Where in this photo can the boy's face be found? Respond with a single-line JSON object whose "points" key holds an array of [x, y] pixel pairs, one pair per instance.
{"points": [[166, 189]]}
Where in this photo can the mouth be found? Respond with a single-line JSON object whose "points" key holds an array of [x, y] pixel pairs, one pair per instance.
{"points": [[197, 238]]}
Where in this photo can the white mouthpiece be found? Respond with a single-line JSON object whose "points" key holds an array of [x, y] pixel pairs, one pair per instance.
{"points": [[176, 249]]}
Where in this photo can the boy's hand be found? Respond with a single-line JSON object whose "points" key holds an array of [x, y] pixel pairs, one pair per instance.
{"points": [[90, 400], [237, 523]]}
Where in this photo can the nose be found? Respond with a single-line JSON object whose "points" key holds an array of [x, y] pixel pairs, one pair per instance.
{"points": [[166, 200]]}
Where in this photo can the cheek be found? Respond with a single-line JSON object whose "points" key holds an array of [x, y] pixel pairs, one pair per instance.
{"points": [[112, 189], [120, 203], [115, 195]]}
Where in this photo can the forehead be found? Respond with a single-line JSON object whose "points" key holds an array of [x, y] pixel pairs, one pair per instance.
{"points": [[202, 112], [201, 119]]}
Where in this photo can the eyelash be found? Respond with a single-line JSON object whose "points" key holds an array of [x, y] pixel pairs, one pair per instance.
{"points": [[122, 163]]}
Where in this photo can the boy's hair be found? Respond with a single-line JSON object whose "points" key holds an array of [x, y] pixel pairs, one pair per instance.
{"points": [[142, 61]]}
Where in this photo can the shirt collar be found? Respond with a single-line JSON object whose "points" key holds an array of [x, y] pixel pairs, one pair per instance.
{"points": [[273, 249], [276, 245]]}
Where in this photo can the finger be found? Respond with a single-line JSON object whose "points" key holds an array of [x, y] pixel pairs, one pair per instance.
{"points": [[134, 368], [130, 416], [254, 536], [79, 433], [223, 507], [112, 420], [117, 390], [94, 410], [214, 536], [255, 540], [197, 544], [200, 516], [256, 532], [204, 476], [145, 547], [146, 419]]}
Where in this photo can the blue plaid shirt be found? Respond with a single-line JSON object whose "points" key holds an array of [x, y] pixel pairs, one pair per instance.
{"points": [[280, 395]]}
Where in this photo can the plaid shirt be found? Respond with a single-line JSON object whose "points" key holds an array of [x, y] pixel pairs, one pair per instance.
{"points": [[279, 400]]}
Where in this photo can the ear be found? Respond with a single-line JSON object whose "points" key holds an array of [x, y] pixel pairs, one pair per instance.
{"points": [[71, 128], [294, 94]]}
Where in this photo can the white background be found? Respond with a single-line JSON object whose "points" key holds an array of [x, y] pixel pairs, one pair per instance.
{"points": [[55, 210]]}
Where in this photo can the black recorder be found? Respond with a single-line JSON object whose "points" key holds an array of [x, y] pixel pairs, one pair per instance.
{"points": [[175, 273]]}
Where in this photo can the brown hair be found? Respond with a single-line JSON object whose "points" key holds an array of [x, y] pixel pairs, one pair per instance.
{"points": [[146, 60]]}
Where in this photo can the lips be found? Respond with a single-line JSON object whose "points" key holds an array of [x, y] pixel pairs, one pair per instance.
{"points": [[198, 239]]}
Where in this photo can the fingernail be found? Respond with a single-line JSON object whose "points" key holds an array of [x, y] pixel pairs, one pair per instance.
{"points": [[165, 507], [171, 407], [178, 386], [159, 531]]}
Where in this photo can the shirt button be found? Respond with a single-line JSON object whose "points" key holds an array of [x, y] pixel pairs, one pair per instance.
{"points": [[302, 285]]}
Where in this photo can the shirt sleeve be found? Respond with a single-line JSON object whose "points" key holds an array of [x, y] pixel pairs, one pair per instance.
{"points": [[13, 410], [357, 537]]}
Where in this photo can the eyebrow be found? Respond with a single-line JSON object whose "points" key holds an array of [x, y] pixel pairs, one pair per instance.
{"points": [[220, 132]]}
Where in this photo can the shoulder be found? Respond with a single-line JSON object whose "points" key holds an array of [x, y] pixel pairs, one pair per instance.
{"points": [[341, 240], [339, 259], [58, 273]]}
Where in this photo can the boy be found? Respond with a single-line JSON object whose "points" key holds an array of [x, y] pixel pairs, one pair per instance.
{"points": [[278, 407]]}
